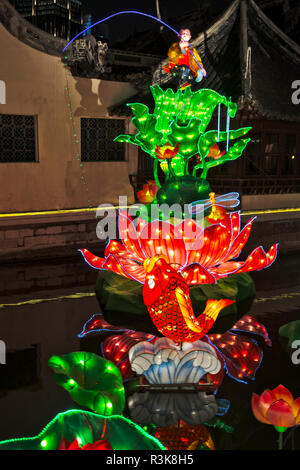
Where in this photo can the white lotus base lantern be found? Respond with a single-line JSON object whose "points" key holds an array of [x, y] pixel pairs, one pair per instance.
{"points": [[166, 362]]}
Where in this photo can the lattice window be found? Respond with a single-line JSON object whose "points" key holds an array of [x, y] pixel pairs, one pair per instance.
{"points": [[17, 138], [97, 140]]}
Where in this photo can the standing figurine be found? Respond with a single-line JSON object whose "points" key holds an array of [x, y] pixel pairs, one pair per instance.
{"points": [[185, 61]]}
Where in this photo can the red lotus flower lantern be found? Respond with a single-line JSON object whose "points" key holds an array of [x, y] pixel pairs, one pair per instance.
{"points": [[215, 152], [166, 152], [148, 193], [277, 407], [200, 256]]}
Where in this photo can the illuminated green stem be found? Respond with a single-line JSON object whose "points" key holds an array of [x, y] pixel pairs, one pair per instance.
{"points": [[186, 167], [204, 172], [171, 171], [280, 441], [280, 431], [155, 174]]}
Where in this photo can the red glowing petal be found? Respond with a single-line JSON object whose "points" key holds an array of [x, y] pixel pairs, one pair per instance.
{"points": [[239, 242], [215, 245], [272, 253], [191, 231], [225, 268], [141, 223], [117, 249], [164, 239], [94, 261], [256, 410], [116, 349], [248, 323], [232, 223], [196, 274], [282, 393], [217, 379], [145, 196], [96, 324], [242, 355], [265, 401], [125, 267], [64, 444], [280, 414], [74, 445], [135, 271], [129, 235], [256, 260], [99, 445]]}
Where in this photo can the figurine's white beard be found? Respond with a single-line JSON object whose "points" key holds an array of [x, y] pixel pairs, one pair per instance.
{"points": [[184, 43]]}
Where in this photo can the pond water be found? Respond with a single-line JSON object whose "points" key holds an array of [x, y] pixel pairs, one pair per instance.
{"points": [[43, 308]]}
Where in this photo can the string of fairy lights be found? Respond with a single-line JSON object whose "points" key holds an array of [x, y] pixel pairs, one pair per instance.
{"points": [[75, 135]]}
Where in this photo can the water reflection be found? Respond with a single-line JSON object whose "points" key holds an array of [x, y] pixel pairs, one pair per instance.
{"points": [[52, 327], [167, 408]]}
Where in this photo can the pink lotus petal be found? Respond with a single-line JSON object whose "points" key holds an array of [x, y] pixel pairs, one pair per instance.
{"points": [[265, 401], [282, 393], [280, 414], [256, 410]]}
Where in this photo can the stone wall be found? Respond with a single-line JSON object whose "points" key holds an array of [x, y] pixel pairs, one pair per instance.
{"points": [[46, 236], [38, 84]]}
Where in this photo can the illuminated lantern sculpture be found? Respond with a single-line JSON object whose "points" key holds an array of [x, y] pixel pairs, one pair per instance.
{"points": [[185, 437], [168, 260], [165, 362], [200, 256], [88, 431], [185, 61], [148, 193], [239, 355], [176, 131], [166, 295]]}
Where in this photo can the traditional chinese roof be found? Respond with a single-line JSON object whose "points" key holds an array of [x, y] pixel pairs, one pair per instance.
{"points": [[247, 58]]}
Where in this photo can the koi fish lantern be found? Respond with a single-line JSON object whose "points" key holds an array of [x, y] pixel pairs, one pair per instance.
{"points": [[166, 296]]}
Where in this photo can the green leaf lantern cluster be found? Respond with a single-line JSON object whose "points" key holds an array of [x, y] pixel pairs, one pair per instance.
{"points": [[91, 381], [182, 118], [87, 428]]}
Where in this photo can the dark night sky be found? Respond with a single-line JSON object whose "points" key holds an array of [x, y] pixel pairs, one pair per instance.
{"points": [[123, 26]]}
